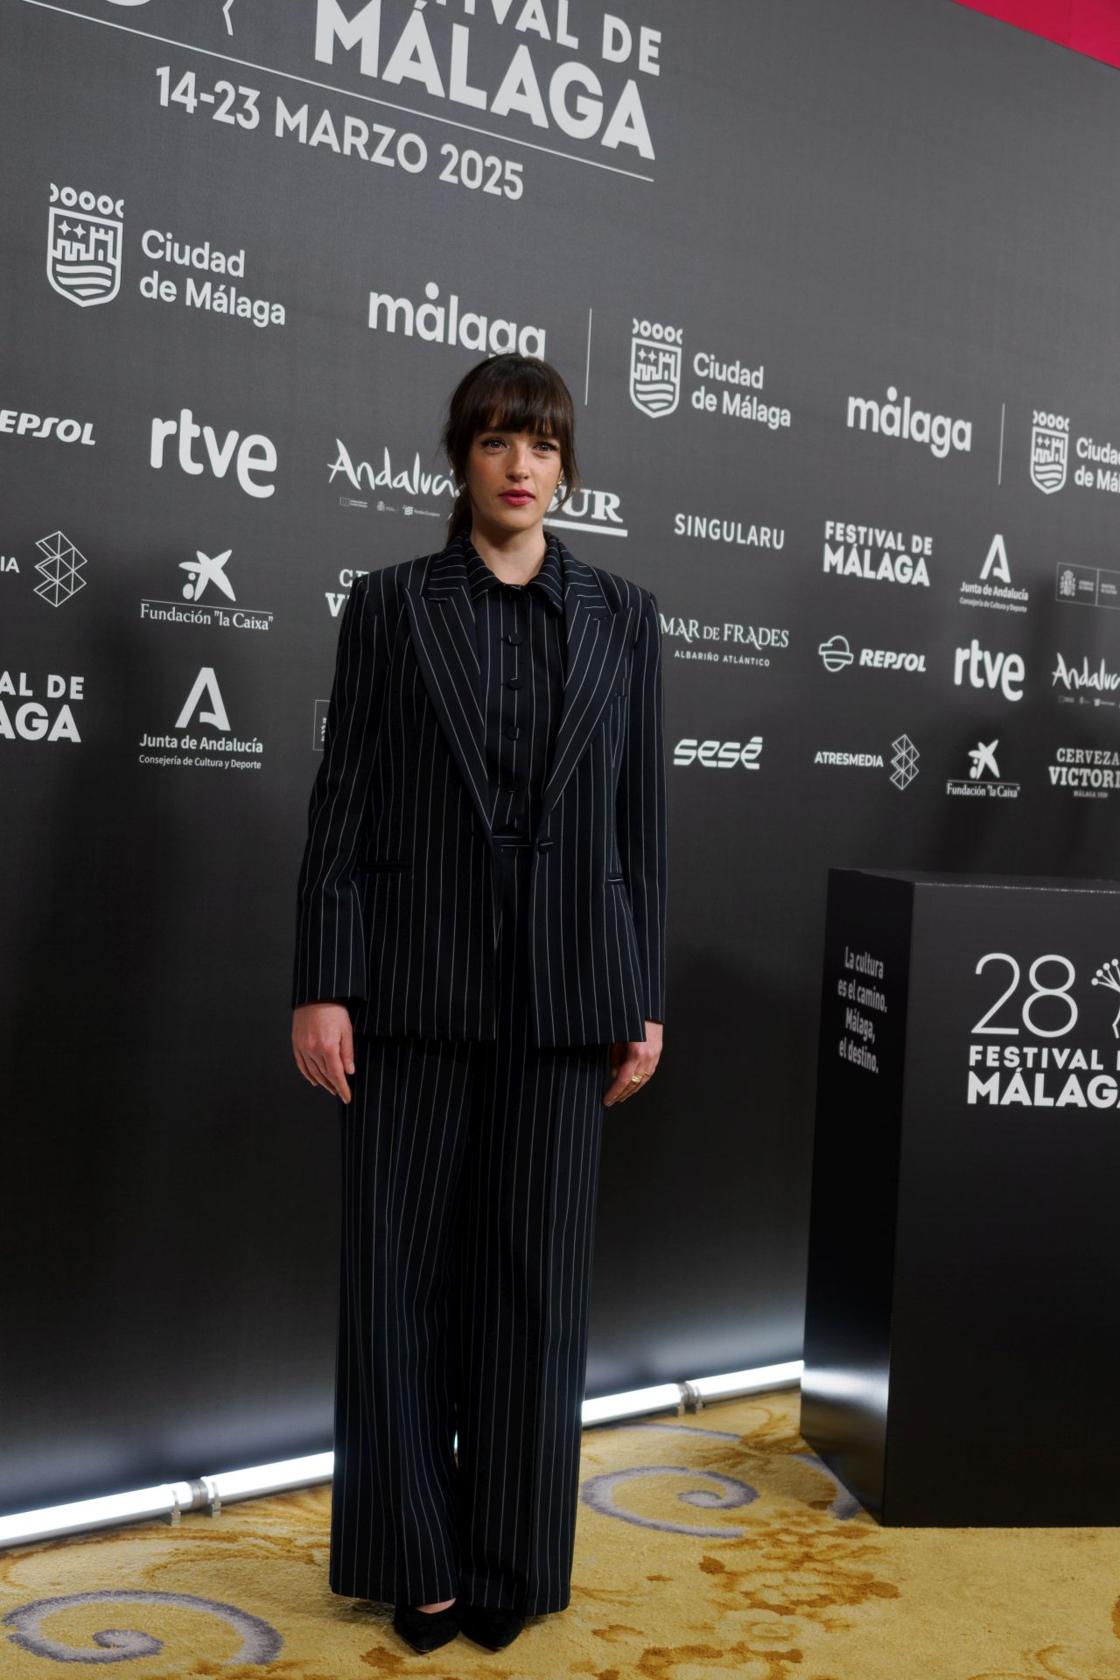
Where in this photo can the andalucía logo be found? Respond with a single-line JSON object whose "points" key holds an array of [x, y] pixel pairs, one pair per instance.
{"points": [[1049, 451], [84, 245], [655, 368], [204, 704], [1084, 684], [1001, 595]]}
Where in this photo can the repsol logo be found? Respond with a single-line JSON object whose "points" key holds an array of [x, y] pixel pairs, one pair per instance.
{"points": [[24, 424], [719, 755], [882, 659]]}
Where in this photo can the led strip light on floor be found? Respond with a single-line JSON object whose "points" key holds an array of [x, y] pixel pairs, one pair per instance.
{"points": [[171, 1499]]}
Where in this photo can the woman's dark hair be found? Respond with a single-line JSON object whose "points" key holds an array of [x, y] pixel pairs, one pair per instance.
{"points": [[507, 393]]}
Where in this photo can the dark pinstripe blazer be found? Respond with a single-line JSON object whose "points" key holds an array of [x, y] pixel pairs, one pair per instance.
{"points": [[397, 912]]}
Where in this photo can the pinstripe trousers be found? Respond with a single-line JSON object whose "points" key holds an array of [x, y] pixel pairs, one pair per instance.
{"points": [[470, 1174]]}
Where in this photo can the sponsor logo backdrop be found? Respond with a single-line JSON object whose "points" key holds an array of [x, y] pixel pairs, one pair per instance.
{"points": [[840, 332]]}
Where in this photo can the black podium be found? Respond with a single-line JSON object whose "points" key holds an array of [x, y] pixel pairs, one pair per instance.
{"points": [[962, 1328]]}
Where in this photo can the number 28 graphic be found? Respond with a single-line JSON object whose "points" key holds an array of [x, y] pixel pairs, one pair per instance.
{"points": [[1108, 976]]}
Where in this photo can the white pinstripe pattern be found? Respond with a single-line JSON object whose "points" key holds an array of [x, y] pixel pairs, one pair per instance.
{"points": [[470, 1178], [485, 984], [397, 912]]}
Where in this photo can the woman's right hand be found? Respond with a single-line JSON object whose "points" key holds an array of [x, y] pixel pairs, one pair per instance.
{"points": [[323, 1045]]}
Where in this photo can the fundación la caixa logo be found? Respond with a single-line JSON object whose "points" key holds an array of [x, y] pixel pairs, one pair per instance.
{"points": [[983, 780], [210, 596]]}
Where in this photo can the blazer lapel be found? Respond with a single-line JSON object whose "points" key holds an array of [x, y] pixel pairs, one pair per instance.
{"points": [[596, 637], [443, 634]]}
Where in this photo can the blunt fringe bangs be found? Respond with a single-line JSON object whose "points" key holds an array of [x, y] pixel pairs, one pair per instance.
{"points": [[508, 393]]}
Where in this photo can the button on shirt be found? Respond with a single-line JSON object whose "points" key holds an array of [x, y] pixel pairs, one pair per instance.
{"points": [[520, 634]]}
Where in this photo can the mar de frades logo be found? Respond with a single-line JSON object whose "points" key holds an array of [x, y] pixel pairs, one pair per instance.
{"points": [[655, 367], [1049, 451], [84, 237]]}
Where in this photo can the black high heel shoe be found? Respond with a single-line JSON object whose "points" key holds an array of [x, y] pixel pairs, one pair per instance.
{"points": [[493, 1628], [426, 1630]]}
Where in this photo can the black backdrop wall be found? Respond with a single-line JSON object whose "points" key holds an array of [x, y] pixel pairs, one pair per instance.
{"points": [[834, 289]]}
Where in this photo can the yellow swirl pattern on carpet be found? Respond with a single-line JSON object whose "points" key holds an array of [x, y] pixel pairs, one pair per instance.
{"points": [[708, 1545]]}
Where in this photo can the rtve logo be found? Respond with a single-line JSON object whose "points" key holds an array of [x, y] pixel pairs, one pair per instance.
{"points": [[1002, 671], [253, 454], [722, 755]]}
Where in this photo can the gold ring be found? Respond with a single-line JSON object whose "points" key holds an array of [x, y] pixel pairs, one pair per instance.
{"points": [[635, 1079]]}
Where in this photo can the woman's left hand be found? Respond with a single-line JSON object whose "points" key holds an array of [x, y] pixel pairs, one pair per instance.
{"points": [[633, 1064]]}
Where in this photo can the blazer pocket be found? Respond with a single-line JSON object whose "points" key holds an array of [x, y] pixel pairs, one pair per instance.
{"points": [[611, 879], [386, 863]]}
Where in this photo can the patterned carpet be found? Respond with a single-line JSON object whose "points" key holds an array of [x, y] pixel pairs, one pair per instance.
{"points": [[709, 1545]]}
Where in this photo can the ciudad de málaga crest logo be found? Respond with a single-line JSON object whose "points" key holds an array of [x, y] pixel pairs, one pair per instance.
{"points": [[655, 368], [84, 239], [1049, 451]]}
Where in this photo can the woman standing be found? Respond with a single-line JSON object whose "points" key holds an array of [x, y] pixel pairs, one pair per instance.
{"points": [[480, 969]]}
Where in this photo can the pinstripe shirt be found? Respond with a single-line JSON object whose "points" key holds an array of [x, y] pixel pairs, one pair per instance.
{"points": [[519, 629]]}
